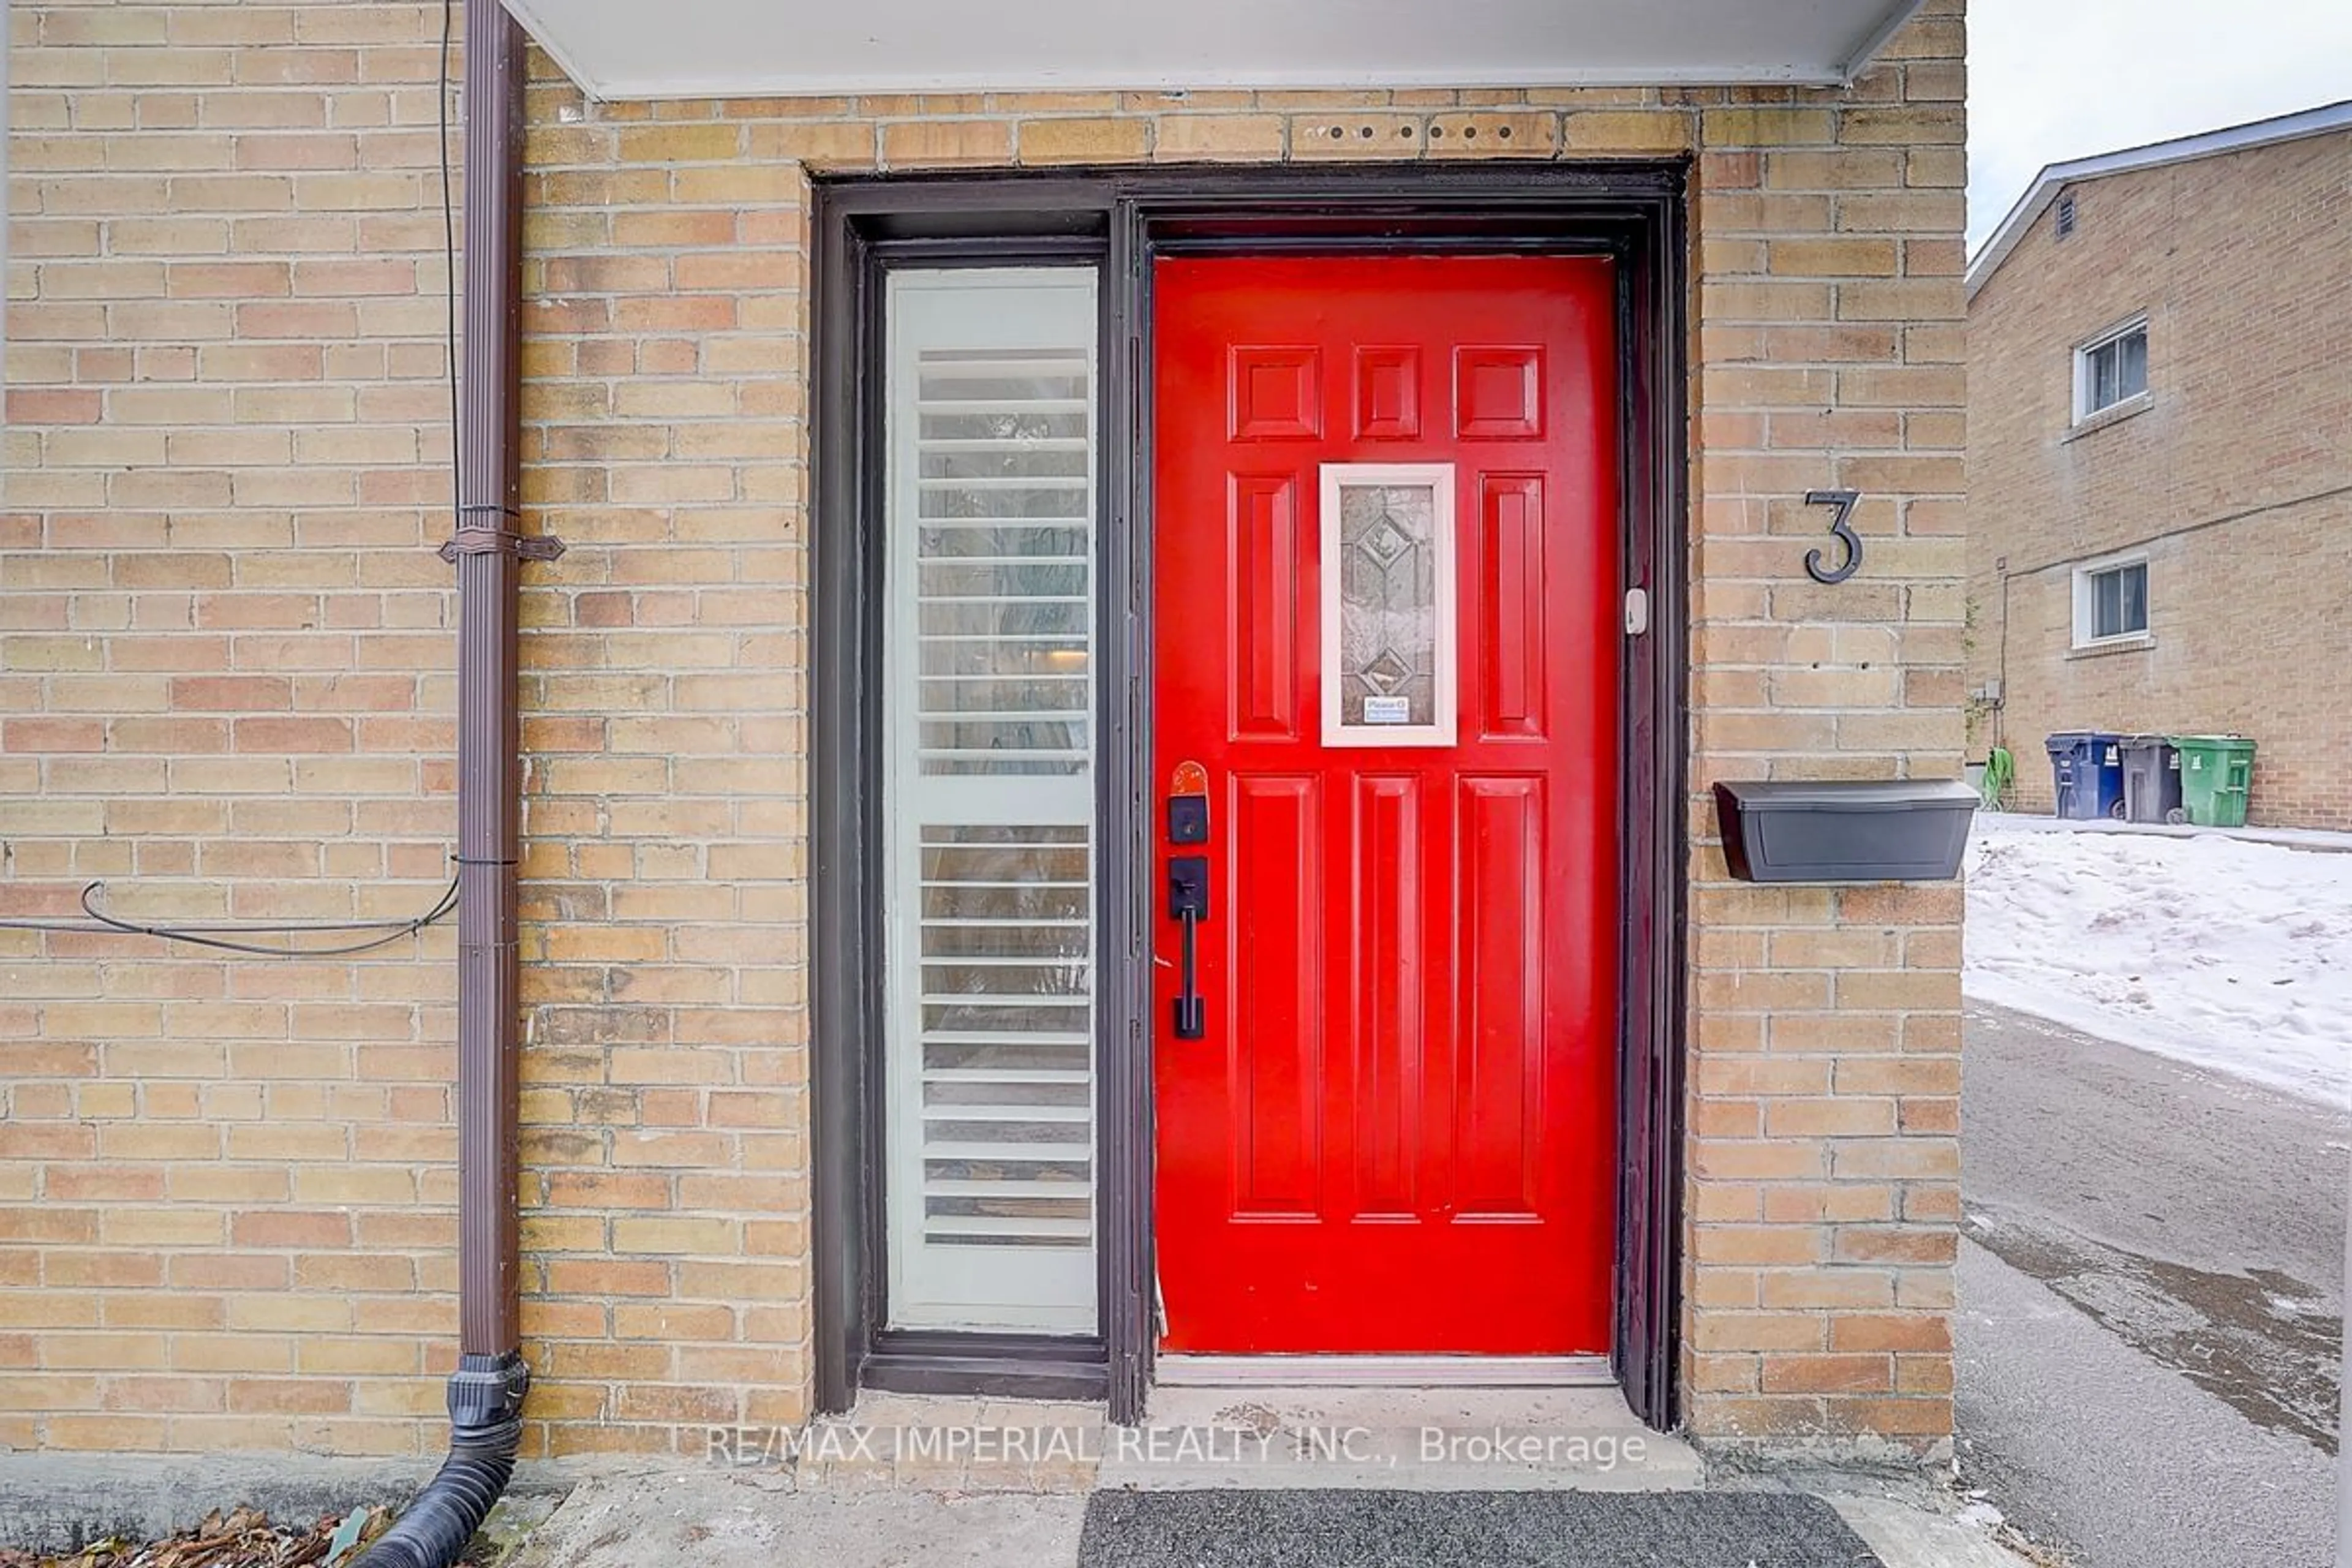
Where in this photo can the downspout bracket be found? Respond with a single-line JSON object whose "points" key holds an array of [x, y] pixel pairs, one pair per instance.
{"points": [[471, 539]]}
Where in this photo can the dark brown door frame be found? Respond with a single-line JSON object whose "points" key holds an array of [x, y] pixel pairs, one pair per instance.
{"points": [[1121, 222]]}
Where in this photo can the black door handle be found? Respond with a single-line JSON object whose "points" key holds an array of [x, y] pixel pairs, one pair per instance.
{"points": [[1188, 905]]}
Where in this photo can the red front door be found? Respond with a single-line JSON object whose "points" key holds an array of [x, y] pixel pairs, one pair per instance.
{"points": [[1386, 595]]}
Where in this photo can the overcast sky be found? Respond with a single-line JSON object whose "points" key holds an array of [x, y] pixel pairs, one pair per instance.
{"points": [[2051, 80]]}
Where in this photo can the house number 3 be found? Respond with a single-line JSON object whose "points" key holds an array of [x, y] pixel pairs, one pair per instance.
{"points": [[1841, 505]]}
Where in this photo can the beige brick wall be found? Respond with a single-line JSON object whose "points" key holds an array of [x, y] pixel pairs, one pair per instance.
{"points": [[2236, 478], [1823, 1193], [225, 1187]]}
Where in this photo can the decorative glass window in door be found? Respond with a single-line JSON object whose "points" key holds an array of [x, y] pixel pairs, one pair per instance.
{"points": [[990, 800], [1387, 610]]}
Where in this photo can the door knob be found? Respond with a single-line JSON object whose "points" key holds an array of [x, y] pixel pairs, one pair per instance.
{"points": [[1188, 905], [1188, 889]]}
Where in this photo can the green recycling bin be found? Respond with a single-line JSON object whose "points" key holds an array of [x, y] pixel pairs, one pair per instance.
{"points": [[2216, 773]]}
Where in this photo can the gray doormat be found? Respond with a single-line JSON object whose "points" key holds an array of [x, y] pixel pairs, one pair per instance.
{"points": [[1466, 1529]]}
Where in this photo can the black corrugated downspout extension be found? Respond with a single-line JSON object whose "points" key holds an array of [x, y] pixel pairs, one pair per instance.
{"points": [[485, 1392]]}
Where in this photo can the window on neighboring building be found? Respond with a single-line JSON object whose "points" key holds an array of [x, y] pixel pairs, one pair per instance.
{"points": [[2110, 602], [2111, 368]]}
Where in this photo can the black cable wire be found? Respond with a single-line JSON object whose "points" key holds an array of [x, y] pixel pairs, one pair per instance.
{"points": [[231, 927], [200, 935], [449, 274], [441, 908]]}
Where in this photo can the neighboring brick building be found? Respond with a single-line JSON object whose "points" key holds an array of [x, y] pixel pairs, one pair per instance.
{"points": [[226, 1194], [2160, 486]]}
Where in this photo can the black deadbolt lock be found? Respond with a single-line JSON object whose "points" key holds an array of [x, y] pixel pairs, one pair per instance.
{"points": [[1188, 820]]}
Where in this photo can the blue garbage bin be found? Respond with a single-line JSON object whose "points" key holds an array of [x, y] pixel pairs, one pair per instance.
{"points": [[2087, 767]]}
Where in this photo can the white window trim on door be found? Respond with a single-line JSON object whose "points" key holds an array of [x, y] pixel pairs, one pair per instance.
{"points": [[2086, 577], [2083, 352], [936, 1280], [1443, 729]]}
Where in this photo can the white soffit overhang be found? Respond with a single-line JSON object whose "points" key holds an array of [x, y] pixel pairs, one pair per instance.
{"points": [[749, 48]]}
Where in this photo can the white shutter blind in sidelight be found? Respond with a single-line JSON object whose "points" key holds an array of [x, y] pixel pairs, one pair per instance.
{"points": [[990, 795]]}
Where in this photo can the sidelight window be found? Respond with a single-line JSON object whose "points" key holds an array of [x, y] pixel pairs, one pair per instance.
{"points": [[989, 799]]}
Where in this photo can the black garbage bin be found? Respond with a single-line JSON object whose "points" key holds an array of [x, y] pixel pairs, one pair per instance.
{"points": [[2151, 780]]}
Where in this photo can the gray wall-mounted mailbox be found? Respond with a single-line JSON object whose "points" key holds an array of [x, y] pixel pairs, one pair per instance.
{"points": [[1845, 830]]}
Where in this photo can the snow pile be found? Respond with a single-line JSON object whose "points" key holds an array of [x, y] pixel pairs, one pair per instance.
{"points": [[2230, 954]]}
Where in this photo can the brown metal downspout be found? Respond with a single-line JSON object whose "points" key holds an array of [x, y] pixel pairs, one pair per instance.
{"points": [[489, 734], [486, 1392]]}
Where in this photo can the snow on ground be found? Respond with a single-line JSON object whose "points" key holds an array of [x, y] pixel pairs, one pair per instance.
{"points": [[2230, 955]]}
